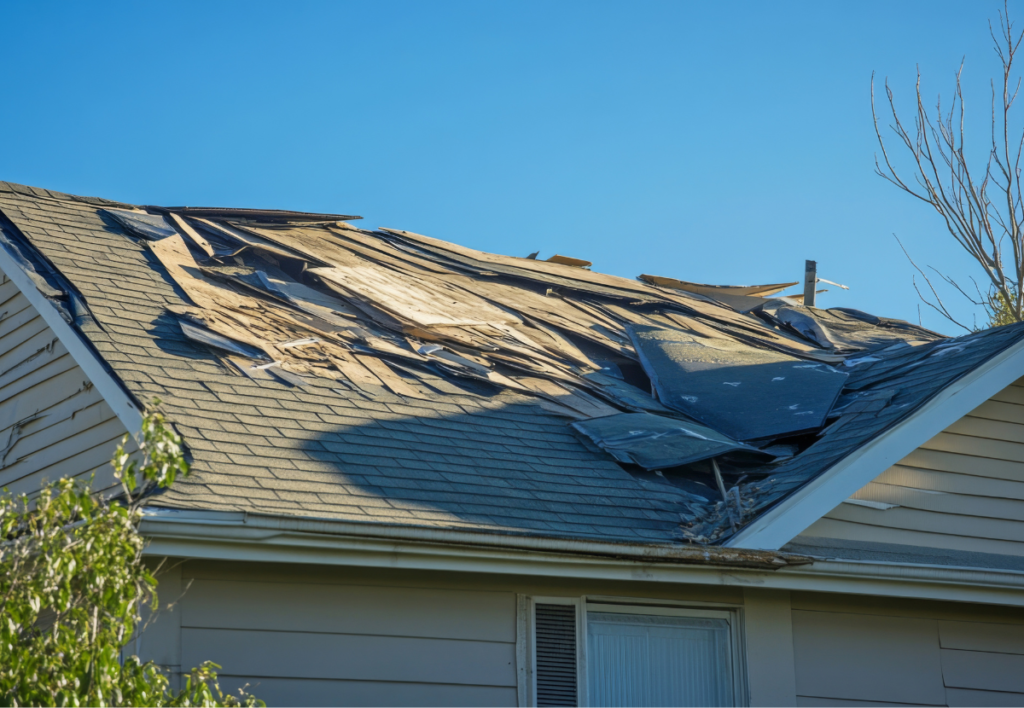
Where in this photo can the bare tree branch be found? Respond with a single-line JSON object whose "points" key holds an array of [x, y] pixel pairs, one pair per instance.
{"points": [[980, 302], [938, 305], [981, 205]]}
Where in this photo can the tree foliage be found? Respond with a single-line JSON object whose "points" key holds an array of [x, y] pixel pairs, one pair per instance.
{"points": [[1000, 312], [981, 204], [73, 584]]}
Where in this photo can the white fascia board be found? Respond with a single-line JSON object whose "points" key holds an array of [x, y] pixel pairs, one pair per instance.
{"points": [[238, 537], [794, 514], [160, 524], [84, 356]]}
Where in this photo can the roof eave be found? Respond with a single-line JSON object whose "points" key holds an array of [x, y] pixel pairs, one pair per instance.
{"points": [[238, 536], [166, 523]]}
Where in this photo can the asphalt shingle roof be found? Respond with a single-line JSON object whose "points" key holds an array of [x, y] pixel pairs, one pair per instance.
{"points": [[461, 452]]}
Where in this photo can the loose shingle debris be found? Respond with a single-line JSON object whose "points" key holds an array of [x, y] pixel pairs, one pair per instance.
{"points": [[656, 442], [729, 395], [743, 391], [636, 364]]}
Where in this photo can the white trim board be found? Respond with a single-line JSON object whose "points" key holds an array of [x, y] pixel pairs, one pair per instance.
{"points": [[794, 514], [108, 387]]}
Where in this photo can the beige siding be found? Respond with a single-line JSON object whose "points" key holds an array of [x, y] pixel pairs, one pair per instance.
{"points": [[963, 489], [768, 623], [847, 656], [53, 421], [309, 692], [327, 642], [361, 657], [483, 616], [873, 651], [307, 635]]}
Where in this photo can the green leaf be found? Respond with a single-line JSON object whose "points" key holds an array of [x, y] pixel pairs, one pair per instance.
{"points": [[73, 581]]}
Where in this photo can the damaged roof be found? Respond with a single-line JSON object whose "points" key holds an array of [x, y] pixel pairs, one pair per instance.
{"points": [[315, 368]]}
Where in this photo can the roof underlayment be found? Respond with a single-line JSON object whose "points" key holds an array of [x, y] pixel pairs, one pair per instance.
{"points": [[315, 368]]}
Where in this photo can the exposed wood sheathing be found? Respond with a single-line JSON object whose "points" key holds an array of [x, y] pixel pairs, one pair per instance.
{"points": [[318, 368]]}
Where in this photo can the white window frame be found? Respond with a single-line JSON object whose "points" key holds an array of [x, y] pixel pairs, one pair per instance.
{"points": [[731, 613]]}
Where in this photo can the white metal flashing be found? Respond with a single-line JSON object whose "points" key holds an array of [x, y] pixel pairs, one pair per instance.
{"points": [[108, 387], [263, 539], [790, 517]]}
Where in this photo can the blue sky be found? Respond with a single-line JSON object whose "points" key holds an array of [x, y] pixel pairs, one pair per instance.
{"points": [[712, 142]]}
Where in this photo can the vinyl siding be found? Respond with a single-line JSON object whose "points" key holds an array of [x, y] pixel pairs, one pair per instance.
{"points": [[308, 635], [328, 643], [873, 651], [53, 421], [963, 489], [323, 636]]}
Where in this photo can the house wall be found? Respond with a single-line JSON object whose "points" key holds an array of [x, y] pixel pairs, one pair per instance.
{"points": [[325, 641], [878, 651], [306, 635], [53, 421], [963, 489]]}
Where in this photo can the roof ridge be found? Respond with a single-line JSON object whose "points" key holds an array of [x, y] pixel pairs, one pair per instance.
{"points": [[41, 193], [383, 375]]}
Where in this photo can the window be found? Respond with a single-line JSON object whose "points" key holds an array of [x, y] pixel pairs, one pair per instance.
{"points": [[611, 654]]}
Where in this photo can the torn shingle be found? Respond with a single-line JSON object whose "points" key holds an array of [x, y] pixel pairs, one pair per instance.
{"points": [[743, 392], [656, 442], [406, 368], [148, 226]]}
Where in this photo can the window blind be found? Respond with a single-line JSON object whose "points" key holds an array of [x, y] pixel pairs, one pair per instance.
{"points": [[647, 660]]}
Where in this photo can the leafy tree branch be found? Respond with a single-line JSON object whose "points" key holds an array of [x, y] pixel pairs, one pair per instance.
{"points": [[73, 584]]}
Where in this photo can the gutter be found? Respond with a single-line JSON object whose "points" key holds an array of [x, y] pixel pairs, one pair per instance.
{"points": [[241, 537], [158, 523]]}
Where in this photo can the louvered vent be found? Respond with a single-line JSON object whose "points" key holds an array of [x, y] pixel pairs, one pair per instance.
{"points": [[556, 655]]}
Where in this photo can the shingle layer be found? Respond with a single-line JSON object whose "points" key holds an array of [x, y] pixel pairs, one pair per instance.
{"points": [[456, 451]]}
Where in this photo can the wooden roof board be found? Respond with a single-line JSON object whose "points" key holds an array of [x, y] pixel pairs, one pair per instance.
{"points": [[715, 290], [551, 273], [246, 238], [542, 364], [568, 260], [421, 301]]}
